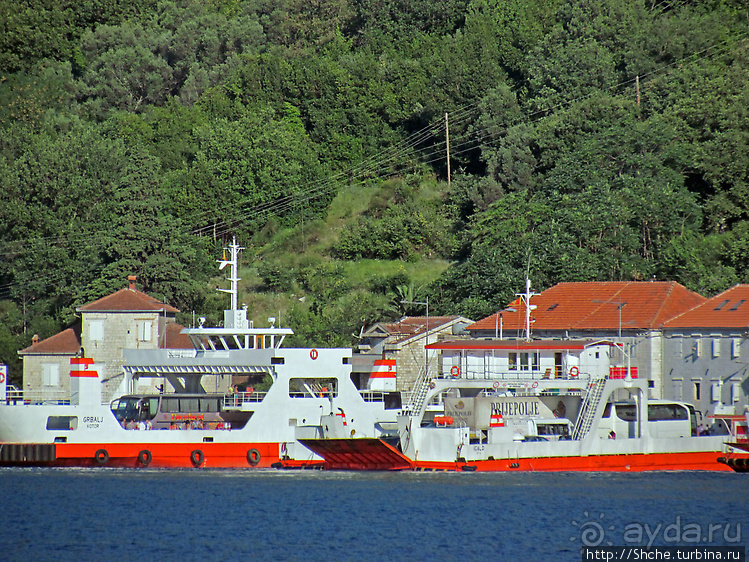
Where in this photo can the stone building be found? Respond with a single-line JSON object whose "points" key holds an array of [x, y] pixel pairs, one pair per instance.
{"points": [[405, 341], [629, 313], [126, 319], [706, 354]]}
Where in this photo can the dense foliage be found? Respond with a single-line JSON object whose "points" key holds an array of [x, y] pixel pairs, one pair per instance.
{"points": [[589, 141]]}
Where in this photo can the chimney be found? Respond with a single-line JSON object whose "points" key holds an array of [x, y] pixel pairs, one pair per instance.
{"points": [[35, 339], [132, 279]]}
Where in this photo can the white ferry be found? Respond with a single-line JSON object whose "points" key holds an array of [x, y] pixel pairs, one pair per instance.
{"points": [[510, 423], [538, 405], [195, 428]]}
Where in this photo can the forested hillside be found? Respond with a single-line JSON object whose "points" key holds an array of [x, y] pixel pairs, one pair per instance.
{"points": [[597, 140]]}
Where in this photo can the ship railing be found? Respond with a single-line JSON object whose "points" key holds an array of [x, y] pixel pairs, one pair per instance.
{"points": [[372, 395], [534, 375], [36, 397], [238, 398]]}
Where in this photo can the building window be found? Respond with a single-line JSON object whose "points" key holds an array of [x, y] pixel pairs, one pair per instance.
{"points": [[716, 347], [715, 392], [697, 348], [696, 391], [144, 331], [678, 390], [735, 392], [50, 374], [96, 330], [736, 348]]}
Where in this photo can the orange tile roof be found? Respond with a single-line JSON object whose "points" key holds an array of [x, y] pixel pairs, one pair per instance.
{"points": [[67, 342], [127, 300], [729, 309], [596, 306], [175, 339]]}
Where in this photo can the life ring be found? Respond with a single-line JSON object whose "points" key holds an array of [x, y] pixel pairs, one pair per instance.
{"points": [[574, 371], [313, 354], [432, 385], [534, 385], [197, 457], [253, 457], [455, 371], [101, 456], [144, 457]]}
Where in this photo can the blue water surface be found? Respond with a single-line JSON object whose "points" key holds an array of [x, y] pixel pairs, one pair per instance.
{"points": [[90, 514]]}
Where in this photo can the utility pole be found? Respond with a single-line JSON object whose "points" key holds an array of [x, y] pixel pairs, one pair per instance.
{"points": [[637, 90], [447, 143]]}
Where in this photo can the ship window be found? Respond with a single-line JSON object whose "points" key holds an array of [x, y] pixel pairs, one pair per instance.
{"points": [[62, 423], [535, 365], [523, 361], [276, 360], [607, 411], [312, 387], [512, 358]]}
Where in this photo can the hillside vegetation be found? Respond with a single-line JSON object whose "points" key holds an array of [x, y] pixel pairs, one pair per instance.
{"points": [[598, 140]]}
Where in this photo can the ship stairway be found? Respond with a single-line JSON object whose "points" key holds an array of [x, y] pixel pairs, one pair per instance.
{"points": [[416, 403], [588, 409]]}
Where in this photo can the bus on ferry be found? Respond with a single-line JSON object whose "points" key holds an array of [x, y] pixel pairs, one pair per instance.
{"points": [[164, 411], [665, 420]]}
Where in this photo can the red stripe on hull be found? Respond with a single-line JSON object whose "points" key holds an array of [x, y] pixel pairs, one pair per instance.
{"points": [[162, 455], [593, 463]]}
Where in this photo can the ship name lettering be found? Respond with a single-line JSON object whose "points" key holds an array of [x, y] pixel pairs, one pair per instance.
{"points": [[515, 408]]}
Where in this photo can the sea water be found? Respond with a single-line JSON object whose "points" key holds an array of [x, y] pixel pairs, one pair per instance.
{"points": [[113, 514]]}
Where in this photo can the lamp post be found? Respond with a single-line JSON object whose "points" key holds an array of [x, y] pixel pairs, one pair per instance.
{"points": [[499, 329]]}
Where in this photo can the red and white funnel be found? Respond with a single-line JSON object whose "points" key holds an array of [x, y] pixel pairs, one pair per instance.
{"points": [[85, 386], [382, 377]]}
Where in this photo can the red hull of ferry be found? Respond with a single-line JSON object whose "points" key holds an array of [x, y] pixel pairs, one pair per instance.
{"points": [[140, 455], [374, 454]]}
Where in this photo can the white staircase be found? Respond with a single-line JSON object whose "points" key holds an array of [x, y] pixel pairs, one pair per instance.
{"points": [[418, 395], [588, 409]]}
